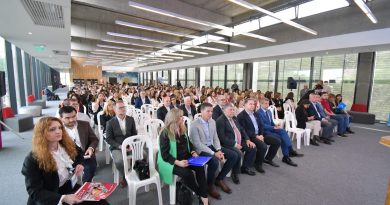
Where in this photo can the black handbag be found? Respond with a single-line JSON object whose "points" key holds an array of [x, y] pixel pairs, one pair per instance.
{"points": [[183, 194], [141, 167]]}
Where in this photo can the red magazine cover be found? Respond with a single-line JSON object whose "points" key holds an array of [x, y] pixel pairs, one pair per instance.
{"points": [[95, 191]]}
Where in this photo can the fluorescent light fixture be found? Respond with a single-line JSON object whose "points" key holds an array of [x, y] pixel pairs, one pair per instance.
{"points": [[159, 41], [160, 56], [127, 43], [115, 55], [121, 48], [159, 30], [269, 13], [193, 20], [366, 10], [228, 43], [175, 54]]}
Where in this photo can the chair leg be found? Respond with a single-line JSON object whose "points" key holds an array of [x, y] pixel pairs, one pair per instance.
{"points": [[159, 195], [108, 157], [172, 191], [298, 140], [132, 194]]}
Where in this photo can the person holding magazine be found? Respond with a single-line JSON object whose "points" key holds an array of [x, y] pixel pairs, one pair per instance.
{"points": [[175, 150], [52, 167]]}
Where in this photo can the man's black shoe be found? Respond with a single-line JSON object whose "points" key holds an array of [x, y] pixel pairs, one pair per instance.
{"points": [[235, 179], [270, 162], [330, 140], [288, 161], [259, 169], [295, 154], [247, 171], [350, 131], [313, 142]]}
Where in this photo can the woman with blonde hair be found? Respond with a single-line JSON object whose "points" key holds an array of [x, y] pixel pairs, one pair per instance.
{"points": [[108, 113], [50, 168], [175, 150]]}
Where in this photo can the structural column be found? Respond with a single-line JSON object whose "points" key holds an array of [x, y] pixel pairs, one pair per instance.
{"points": [[364, 78]]}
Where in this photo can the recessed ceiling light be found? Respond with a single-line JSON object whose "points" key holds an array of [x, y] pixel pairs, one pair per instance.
{"points": [[29, 33]]}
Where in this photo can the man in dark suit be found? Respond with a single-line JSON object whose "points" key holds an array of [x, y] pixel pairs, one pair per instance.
{"points": [[233, 137], [118, 129], [217, 110], [188, 108], [163, 110], [277, 130], [326, 124], [142, 99], [84, 137], [254, 127]]}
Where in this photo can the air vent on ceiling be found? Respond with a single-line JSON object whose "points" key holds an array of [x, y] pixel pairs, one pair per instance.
{"points": [[45, 14], [63, 53]]}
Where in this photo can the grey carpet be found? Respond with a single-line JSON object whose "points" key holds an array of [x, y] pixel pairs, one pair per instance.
{"points": [[354, 170]]}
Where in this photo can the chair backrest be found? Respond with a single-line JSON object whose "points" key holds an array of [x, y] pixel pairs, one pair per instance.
{"points": [[152, 127], [197, 105], [85, 109], [140, 119], [187, 123], [137, 143], [145, 108], [198, 115], [287, 107], [274, 112], [290, 120], [100, 128], [153, 112]]}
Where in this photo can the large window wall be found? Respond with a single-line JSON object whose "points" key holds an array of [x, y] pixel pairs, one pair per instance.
{"points": [[265, 73], [235, 72], [380, 96], [218, 76], [182, 76], [191, 77], [5, 99], [298, 69], [205, 76]]}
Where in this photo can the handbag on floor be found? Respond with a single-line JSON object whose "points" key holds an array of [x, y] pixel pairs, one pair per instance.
{"points": [[183, 194]]}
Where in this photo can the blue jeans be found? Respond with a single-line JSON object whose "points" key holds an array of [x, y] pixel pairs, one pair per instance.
{"points": [[342, 122]]}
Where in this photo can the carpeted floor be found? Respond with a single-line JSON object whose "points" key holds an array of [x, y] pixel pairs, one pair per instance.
{"points": [[352, 171]]}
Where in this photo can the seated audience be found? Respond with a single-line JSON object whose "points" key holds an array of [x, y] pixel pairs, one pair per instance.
{"points": [[217, 110], [188, 108], [277, 130], [163, 110], [204, 137], [342, 120], [50, 167], [118, 129], [254, 128], [108, 114], [142, 99], [305, 121], [175, 150], [234, 138]]}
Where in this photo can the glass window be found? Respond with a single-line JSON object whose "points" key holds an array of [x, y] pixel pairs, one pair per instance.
{"points": [[265, 73], [218, 76], [182, 76], [166, 76], [205, 76], [349, 78], [190, 77], [380, 97], [235, 72], [173, 77]]}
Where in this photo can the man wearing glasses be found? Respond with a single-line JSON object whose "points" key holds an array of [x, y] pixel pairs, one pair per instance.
{"points": [[142, 99], [118, 129], [217, 110]]}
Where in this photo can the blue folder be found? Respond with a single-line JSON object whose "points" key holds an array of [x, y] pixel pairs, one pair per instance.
{"points": [[342, 106], [199, 161]]}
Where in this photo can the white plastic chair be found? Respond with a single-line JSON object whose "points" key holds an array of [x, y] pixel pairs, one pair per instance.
{"points": [[137, 144], [100, 131], [85, 109], [145, 108], [140, 119], [198, 115], [152, 128], [287, 107], [275, 116], [187, 123], [172, 191], [152, 112], [291, 128]]}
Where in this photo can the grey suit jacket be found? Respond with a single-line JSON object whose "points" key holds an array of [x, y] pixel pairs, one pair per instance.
{"points": [[198, 136]]}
